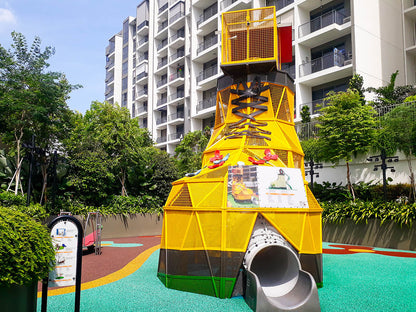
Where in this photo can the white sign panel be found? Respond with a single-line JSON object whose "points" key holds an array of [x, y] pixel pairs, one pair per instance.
{"points": [[281, 187], [65, 241]]}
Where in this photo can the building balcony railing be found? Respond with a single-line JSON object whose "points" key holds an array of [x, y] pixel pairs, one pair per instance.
{"points": [[163, 7], [176, 75], [177, 95], [163, 44], [109, 93], [176, 36], [227, 3], [280, 4], [142, 24], [206, 44], [110, 48], [210, 71], [162, 26], [162, 101], [143, 40], [333, 17], [207, 103], [141, 92], [177, 115], [141, 75], [336, 58], [175, 136], [207, 14], [176, 17], [161, 139], [162, 63], [109, 64], [142, 109], [178, 54], [143, 58], [109, 78], [161, 82], [161, 120]]}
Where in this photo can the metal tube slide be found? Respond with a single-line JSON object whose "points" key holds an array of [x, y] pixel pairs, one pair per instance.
{"points": [[275, 280]]}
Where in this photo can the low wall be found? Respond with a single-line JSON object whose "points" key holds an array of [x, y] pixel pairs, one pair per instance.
{"points": [[386, 235], [132, 225]]}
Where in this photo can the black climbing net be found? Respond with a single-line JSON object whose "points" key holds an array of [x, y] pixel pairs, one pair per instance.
{"points": [[238, 129]]}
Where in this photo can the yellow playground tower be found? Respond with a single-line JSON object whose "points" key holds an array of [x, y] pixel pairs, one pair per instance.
{"points": [[247, 222]]}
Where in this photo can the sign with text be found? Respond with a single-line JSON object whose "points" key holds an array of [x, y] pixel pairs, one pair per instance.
{"points": [[64, 235]]}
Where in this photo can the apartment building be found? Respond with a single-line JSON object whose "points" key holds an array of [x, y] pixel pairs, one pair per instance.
{"points": [[164, 63]]}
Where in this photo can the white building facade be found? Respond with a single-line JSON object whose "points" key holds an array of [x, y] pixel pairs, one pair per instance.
{"points": [[164, 64]]}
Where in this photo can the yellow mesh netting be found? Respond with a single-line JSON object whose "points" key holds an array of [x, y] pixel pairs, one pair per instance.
{"points": [[297, 160], [183, 199], [284, 111], [283, 156], [276, 94]]}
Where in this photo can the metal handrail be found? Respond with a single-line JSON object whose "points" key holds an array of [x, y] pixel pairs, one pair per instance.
{"points": [[332, 17], [206, 44]]}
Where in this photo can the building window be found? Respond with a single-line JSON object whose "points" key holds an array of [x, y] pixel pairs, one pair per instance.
{"points": [[124, 100], [124, 83], [125, 32], [125, 52], [125, 68]]}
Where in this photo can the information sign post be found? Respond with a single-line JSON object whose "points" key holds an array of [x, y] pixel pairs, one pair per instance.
{"points": [[66, 233]]}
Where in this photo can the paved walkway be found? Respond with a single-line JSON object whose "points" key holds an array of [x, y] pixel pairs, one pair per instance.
{"points": [[123, 278]]}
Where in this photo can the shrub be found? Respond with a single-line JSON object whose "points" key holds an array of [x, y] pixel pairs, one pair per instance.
{"points": [[26, 252], [9, 199], [362, 211]]}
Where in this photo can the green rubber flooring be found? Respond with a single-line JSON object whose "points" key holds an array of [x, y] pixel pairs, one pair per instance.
{"points": [[376, 280]]}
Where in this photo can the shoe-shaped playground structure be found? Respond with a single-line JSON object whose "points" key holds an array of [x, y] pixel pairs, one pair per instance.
{"points": [[247, 223]]}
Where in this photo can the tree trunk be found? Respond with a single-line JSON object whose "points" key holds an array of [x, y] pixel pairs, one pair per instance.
{"points": [[18, 134], [123, 181], [43, 195], [349, 184]]}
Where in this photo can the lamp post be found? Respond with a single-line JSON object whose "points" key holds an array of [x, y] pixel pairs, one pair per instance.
{"points": [[383, 157], [312, 167]]}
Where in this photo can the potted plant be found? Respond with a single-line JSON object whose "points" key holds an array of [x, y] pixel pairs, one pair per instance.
{"points": [[26, 256]]}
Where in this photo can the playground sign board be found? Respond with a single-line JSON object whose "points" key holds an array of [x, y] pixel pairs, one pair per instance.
{"points": [[65, 242], [268, 187]]}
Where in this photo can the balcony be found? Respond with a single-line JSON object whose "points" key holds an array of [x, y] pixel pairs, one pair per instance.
{"points": [[141, 93], [336, 58], [227, 3], [109, 93], [161, 82], [206, 73], [161, 139], [162, 101], [177, 55], [280, 4], [333, 17], [141, 76], [176, 75], [207, 14], [163, 7], [141, 110], [177, 115], [163, 44], [142, 25], [110, 48], [109, 78], [162, 63], [177, 95], [178, 35], [143, 58], [176, 136], [161, 120], [206, 44], [207, 103], [162, 26], [175, 17], [109, 63]]}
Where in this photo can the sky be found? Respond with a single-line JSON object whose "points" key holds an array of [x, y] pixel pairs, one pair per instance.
{"points": [[78, 30]]}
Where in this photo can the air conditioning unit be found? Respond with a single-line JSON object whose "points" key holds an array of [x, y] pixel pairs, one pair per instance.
{"points": [[346, 19], [347, 62]]}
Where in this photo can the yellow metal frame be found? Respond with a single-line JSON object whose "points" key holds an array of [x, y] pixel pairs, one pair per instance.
{"points": [[226, 39]]}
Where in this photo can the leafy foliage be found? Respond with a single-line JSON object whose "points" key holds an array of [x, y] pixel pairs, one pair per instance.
{"points": [[305, 114], [362, 211], [347, 128], [189, 152], [312, 149], [26, 250]]}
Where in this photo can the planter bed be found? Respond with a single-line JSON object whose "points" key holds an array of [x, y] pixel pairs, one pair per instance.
{"points": [[386, 235]]}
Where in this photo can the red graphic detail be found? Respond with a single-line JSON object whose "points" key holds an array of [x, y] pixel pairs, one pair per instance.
{"points": [[349, 249], [216, 165], [256, 162], [269, 155], [217, 156]]}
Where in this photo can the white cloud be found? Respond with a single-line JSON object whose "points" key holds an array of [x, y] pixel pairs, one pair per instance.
{"points": [[7, 18]]}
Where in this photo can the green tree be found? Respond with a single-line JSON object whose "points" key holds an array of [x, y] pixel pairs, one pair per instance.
{"points": [[356, 83], [399, 127], [101, 147], [391, 94], [32, 99], [189, 151], [347, 128]]}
